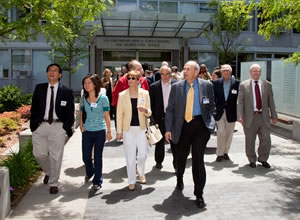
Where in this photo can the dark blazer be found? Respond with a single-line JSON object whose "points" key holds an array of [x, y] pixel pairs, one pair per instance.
{"points": [[176, 107], [65, 113], [157, 101], [231, 104], [153, 78]]}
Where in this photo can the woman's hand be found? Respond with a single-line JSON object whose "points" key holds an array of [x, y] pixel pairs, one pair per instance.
{"points": [[142, 109], [82, 129], [119, 136], [108, 135]]}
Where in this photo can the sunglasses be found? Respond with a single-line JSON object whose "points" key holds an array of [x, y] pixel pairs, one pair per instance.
{"points": [[131, 78]]}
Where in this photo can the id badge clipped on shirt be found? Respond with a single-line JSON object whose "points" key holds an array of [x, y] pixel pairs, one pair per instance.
{"points": [[233, 91], [205, 100], [94, 105]]}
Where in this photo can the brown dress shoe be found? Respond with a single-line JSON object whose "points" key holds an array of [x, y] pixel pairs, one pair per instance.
{"points": [[53, 190], [46, 179]]}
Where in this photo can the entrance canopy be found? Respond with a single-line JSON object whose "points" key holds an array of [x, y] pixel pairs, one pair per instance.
{"points": [[153, 24]]}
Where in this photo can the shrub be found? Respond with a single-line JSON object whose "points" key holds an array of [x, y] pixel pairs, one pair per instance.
{"points": [[21, 165], [24, 110], [10, 98], [2, 144], [26, 99], [11, 115], [7, 125]]}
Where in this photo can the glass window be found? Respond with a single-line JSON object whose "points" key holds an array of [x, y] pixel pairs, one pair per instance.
{"points": [[168, 7], [194, 56], [204, 8], [281, 56], [154, 56], [40, 60], [209, 59], [188, 7], [4, 63], [148, 6], [263, 55], [243, 57], [21, 61], [118, 55], [127, 5]]}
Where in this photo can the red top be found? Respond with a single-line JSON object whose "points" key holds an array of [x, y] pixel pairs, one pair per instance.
{"points": [[122, 84]]}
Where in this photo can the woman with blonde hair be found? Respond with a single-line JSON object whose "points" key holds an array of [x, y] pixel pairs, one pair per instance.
{"points": [[133, 108]]}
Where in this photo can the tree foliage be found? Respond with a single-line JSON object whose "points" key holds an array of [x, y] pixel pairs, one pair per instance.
{"points": [[229, 20], [277, 16]]}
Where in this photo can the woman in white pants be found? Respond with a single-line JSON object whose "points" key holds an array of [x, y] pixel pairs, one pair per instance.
{"points": [[132, 111]]}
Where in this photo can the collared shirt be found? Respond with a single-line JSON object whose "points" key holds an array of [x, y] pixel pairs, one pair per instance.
{"points": [[166, 88], [196, 106], [253, 92], [226, 87], [48, 101]]}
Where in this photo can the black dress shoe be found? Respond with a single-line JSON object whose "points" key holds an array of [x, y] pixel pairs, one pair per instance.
{"points": [[226, 157], [252, 165], [265, 164], [53, 190], [200, 203], [158, 165], [180, 186], [46, 179], [219, 158]]}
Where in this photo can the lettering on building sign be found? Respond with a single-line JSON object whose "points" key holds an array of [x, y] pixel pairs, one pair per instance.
{"points": [[138, 43]]}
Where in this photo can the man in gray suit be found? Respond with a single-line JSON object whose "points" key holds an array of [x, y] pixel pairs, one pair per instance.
{"points": [[255, 101], [189, 122]]}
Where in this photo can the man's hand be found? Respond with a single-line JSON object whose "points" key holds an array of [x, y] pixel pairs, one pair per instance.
{"points": [[274, 121], [168, 136], [241, 121]]}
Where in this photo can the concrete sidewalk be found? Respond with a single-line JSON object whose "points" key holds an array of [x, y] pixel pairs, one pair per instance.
{"points": [[233, 189]]}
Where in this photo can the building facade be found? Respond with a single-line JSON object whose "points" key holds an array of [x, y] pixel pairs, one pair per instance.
{"points": [[148, 30]]}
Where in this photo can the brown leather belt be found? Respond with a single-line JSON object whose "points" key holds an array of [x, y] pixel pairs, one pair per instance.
{"points": [[257, 112]]}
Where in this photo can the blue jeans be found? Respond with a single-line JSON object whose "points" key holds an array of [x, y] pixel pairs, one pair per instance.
{"points": [[96, 139]]}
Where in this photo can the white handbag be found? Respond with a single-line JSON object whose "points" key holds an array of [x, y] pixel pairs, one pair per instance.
{"points": [[153, 133]]}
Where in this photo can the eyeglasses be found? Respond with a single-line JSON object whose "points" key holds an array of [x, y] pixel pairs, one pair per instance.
{"points": [[131, 78]]}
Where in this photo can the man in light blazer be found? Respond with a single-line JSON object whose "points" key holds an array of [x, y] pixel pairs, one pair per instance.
{"points": [[255, 103], [52, 117], [189, 122], [226, 92], [159, 97]]}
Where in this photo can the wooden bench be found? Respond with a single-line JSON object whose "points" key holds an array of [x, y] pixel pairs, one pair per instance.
{"points": [[285, 120]]}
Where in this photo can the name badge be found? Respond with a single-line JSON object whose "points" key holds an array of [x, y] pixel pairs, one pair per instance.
{"points": [[94, 105], [63, 103], [205, 100], [234, 91], [142, 102]]}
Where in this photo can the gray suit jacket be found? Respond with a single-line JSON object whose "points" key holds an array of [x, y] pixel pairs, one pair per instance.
{"points": [[176, 107], [245, 106]]}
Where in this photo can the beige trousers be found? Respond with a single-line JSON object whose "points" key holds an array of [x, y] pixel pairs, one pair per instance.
{"points": [[225, 131], [258, 128], [48, 145]]}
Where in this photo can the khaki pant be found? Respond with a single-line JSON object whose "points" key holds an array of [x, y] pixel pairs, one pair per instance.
{"points": [[225, 131], [48, 145]]}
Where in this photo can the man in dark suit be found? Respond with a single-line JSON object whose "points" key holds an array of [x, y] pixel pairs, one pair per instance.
{"points": [[159, 96], [255, 107], [52, 117], [189, 122], [226, 92], [155, 77]]}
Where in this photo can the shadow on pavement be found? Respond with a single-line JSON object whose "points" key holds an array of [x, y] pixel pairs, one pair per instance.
{"points": [[177, 205], [249, 172], [221, 165], [125, 195], [74, 172], [116, 176], [157, 175], [113, 143]]}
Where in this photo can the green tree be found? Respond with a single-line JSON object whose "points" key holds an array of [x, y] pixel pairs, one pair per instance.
{"points": [[276, 16], [70, 43], [228, 21]]}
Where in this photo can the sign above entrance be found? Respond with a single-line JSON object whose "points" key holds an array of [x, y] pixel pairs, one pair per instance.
{"points": [[138, 43]]}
